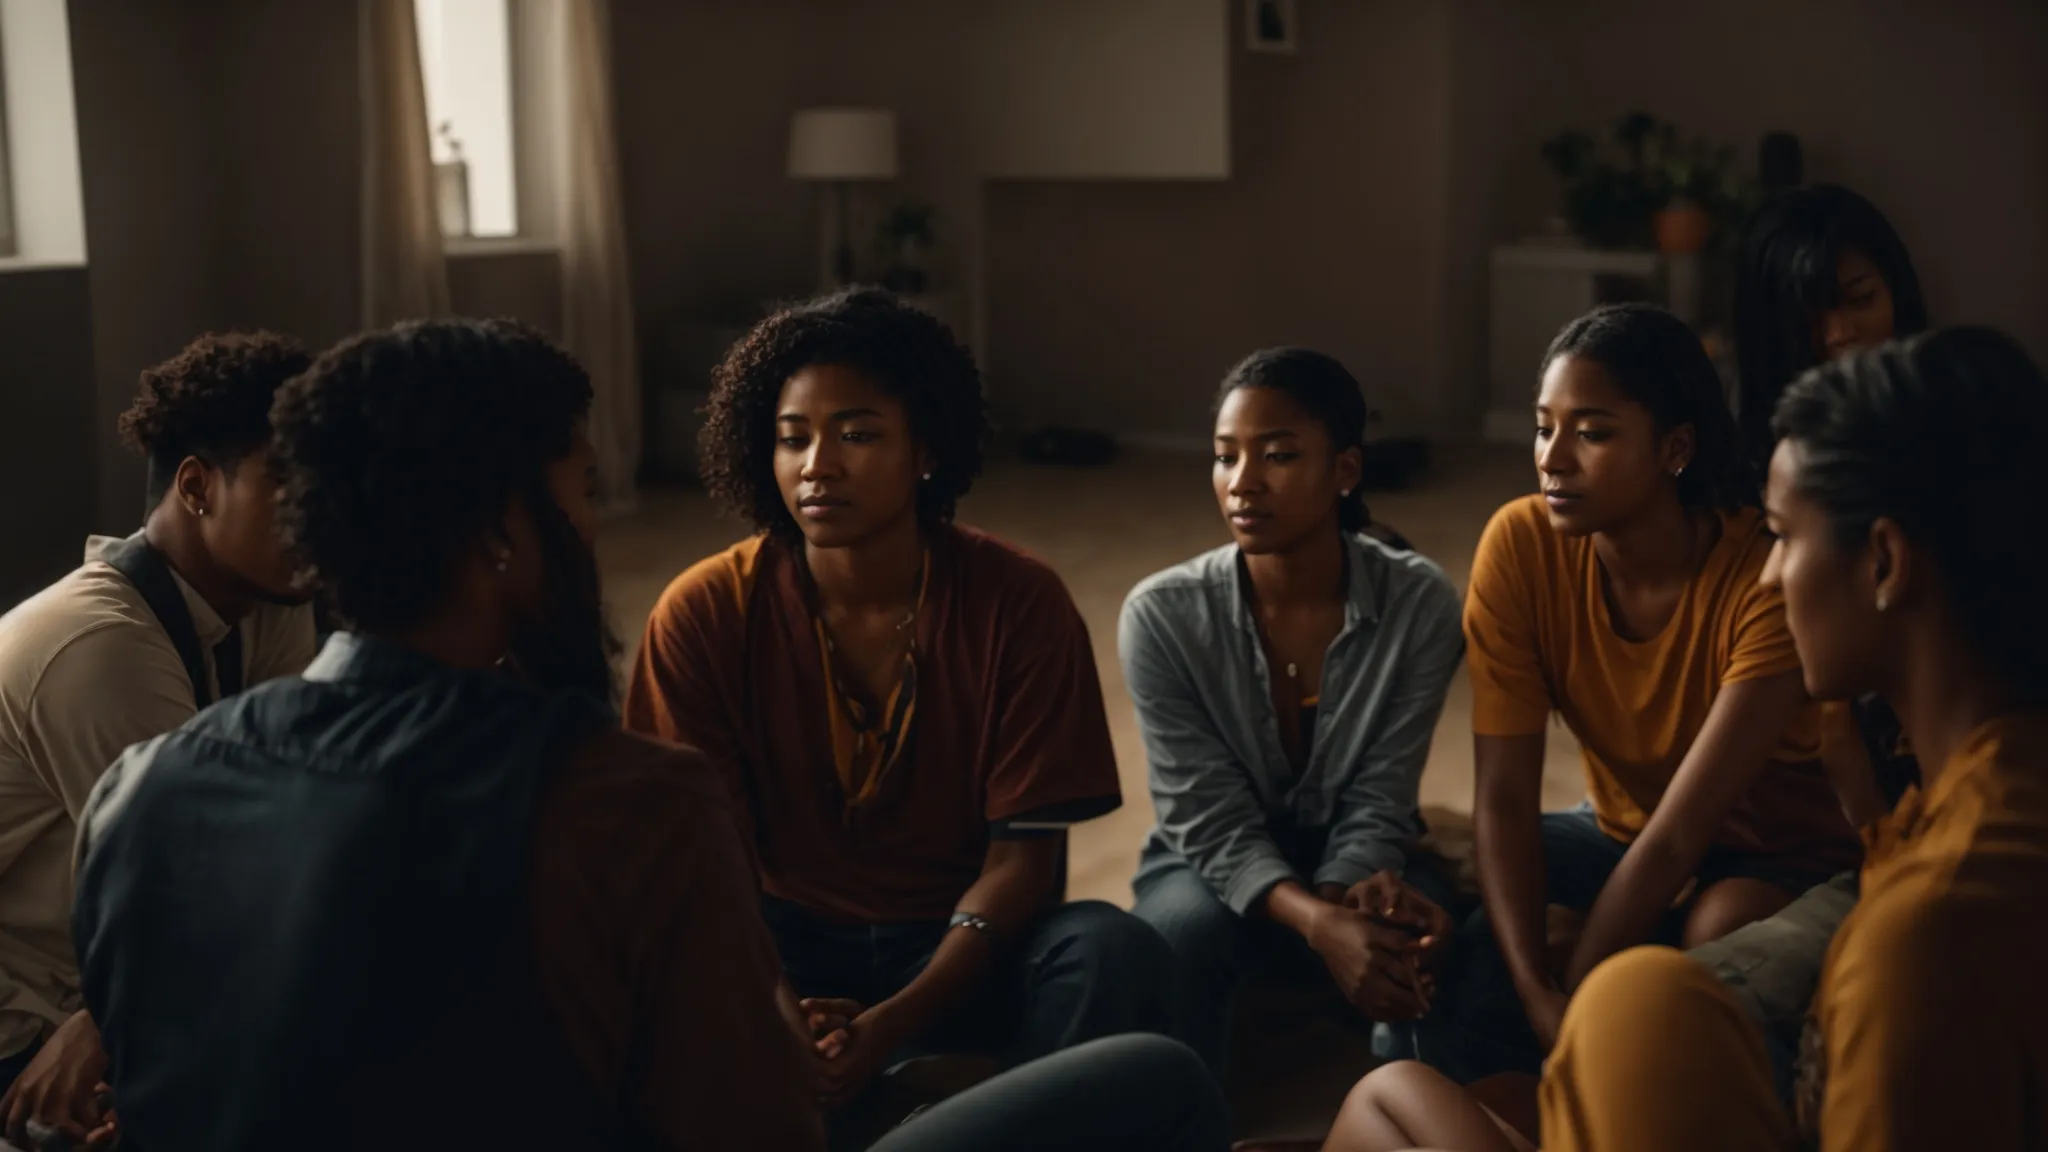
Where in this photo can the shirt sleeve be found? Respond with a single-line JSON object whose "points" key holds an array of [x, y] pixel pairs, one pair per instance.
{"points": [[1510, 693], [1207, 809], [684, 686], [1376, 814], [654, 958], [1053, 762], [105, 690], [1917, 1057], [1761, 645]]}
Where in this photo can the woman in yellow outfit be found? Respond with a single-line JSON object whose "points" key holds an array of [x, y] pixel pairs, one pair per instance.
{"points": [[1905, 493]]}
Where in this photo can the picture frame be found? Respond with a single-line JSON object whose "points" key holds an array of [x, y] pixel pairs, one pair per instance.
{"points": [[1271, 26]]}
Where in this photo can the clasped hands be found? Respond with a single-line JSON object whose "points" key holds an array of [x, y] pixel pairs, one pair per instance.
{"points": [[1382, 941]]}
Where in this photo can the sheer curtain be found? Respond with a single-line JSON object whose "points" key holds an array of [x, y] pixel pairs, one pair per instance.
{"points": [[405, 275], [597, 291]]}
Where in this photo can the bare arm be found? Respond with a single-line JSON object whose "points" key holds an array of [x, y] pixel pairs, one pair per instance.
{"points": [[1507, 819], [1748, 719], [1015, 886]]}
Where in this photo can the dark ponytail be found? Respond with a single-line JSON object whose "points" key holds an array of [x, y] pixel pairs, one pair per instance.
{"points": [[1938, 434]]}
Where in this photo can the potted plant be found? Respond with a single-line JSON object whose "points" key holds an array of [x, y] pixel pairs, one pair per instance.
{"points": [[905, 238], [1644, 186], [1694, 184]]}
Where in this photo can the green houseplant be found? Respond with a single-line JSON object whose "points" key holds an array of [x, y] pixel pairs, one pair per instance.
{"points": [[1643, 186]]}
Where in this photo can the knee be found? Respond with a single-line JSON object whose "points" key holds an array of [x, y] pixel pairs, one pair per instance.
{"points": [[1730, 904], [1111, 943], [1192, 921], [1631, 1006]]}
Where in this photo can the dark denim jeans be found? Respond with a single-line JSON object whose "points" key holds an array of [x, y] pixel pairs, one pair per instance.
{"points": [[1477, 1027], [1218, 950], [1085, 970]]}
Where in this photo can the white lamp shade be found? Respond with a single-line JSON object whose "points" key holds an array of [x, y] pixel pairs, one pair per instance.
{"points": [[842, 144]]}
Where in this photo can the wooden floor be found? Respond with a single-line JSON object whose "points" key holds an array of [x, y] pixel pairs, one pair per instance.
{"points": [[1104, 529]]}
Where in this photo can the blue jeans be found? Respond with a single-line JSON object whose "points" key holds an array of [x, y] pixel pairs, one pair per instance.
{"points": [[1218, 950], [1085, 970], [1477, 1026], [1117, 1095]]}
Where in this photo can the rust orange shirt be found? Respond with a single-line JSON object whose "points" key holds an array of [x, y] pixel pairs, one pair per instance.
{"points": [[1009, 730], [1540, 640]]}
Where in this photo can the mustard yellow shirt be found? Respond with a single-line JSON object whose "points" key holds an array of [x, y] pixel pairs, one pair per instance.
{"points": [[1933, 1005], [1540, 640]]}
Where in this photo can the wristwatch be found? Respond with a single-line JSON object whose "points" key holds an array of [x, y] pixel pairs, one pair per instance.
{"points": [[970, 920]]}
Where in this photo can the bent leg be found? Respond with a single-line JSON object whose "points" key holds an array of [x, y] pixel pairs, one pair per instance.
{"points": [[1089, 970], [1212, 949], [1411, 1105], [1114, 1095], [1729, 904], [1655, 1053]]}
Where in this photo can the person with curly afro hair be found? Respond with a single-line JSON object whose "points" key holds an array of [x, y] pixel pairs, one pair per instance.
{"points": [[147, 631], [908, 709]]}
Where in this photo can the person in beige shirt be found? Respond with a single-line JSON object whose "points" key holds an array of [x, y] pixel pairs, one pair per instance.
{"points": [[145, 633]]}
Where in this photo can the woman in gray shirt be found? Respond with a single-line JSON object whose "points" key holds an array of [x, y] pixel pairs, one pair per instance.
{"points": [[1287, 686]]}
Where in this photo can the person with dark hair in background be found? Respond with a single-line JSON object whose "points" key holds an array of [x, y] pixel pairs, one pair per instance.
{"points": [[1820, 273], [1287, 686], [1902, 483], [1623, 598], [146, 632], [907, 710]]}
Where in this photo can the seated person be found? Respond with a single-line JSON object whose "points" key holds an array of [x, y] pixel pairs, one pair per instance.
{"points": [[1287, 686], [1822, 273], [907, 711], [129, 645], [1624, 598], [430, 895], [1903, 488]]}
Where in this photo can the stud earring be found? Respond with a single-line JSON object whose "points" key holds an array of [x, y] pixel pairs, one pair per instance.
{"points": [[1882, 603], [1678, 471], [1346, 492], [927, 475], [504, 558]]}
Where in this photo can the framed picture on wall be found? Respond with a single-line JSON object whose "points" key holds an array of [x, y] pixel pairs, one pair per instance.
{"points": [[1270, 26]]}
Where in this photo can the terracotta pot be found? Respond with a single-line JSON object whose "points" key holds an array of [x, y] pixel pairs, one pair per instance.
{"points": [[1683, 228]]}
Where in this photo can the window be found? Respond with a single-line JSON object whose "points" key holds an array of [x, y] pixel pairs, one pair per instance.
{"points": [[42, 208], [466, 63]]}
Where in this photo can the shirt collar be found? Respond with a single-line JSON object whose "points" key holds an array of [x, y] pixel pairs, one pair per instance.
{"points": [[207, 624], [354, 656], [1362, 563]]}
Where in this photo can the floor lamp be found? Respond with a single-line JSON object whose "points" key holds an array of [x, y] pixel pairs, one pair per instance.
{"points": [[840, 146]]}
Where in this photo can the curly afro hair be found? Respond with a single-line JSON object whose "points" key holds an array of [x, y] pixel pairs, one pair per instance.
{"points": [[909, 353], [401, 449], [211, 400]]}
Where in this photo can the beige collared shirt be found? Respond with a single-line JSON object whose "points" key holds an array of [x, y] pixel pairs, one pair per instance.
{"points": [[85, 671]]}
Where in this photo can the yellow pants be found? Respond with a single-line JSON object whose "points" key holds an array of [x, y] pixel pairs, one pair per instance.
{"points": [[1655, 1054]]}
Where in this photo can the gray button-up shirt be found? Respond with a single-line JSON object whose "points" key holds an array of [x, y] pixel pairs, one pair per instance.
{"points": [[1228, 801]]}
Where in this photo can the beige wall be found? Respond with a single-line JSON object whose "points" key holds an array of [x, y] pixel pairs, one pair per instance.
{"points": [[1376, 169], [1119, 306]]}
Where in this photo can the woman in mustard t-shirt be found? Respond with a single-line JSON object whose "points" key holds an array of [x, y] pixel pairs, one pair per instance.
{"points": [[1624, 598], [1902, 490]]}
